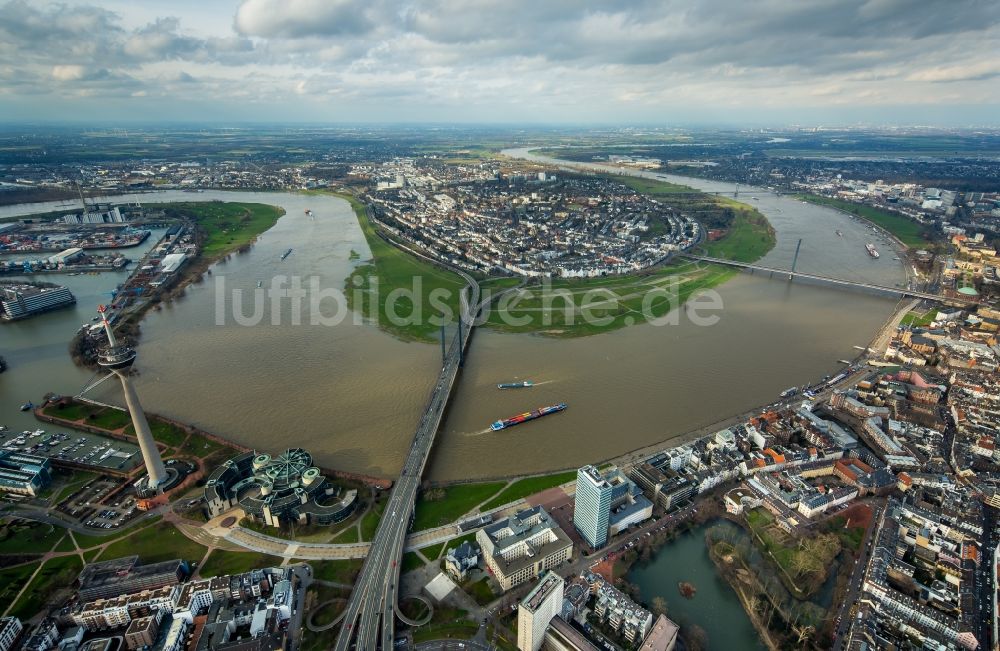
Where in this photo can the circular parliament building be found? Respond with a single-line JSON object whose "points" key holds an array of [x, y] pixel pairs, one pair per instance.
{"points": [[273, 490]]}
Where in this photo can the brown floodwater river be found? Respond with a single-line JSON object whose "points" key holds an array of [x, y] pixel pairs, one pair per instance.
{"points": [[352, 394]]}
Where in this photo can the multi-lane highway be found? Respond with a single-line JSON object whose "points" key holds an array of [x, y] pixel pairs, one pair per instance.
{"points": [[369, 619]]}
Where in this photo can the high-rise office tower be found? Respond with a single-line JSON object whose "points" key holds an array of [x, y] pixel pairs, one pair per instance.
{"points": [[592, 511]]}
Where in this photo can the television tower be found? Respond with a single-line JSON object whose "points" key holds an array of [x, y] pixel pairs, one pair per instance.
{"points": [[118, 358]]}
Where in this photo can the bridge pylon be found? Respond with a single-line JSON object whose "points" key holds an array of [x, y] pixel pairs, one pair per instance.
{"points": [[795, 260]]}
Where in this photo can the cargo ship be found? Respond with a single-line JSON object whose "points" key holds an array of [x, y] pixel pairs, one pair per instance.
{"points": [[516, 385], [286, 254], [526, 416], [871, 250]]}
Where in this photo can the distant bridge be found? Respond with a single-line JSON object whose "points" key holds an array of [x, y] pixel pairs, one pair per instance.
{"points": [[838, 282]]}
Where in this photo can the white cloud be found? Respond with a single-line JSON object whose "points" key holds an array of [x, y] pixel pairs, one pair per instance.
{"points": [[297, 18], [68, 73], [973, 71], [507, 59]]}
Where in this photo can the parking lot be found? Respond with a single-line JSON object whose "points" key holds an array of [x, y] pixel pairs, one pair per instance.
{"points": [[101, 504]]}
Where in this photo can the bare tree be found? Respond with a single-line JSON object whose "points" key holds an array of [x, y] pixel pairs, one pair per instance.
{"points": [[803, 632], [697, 638]]}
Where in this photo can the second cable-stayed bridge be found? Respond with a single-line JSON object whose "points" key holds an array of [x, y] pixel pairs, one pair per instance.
{"points": [[837, 282]]}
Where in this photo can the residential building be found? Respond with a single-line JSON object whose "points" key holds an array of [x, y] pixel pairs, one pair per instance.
{"points": [[663, 637], [618, 611], [10, 630], [102, 614], [561, 636], [120, 576], [143, 631], [739, 499], [173, 636], [460, 560], [536, 611], [43, 637]]}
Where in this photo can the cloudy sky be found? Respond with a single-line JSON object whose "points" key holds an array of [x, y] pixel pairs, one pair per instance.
{"points": [[532, 61]]}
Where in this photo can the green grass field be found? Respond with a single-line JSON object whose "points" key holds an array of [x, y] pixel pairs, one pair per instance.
{"points": [[851, 537], [86, 541], [28, 537], [113, 419], [446, 623], [102, 417], [804, 560], [347, 536], [411, 561], [336, 571], [919, 319], [12, 579], [413, 314], [369, 523], [221, 562], [226, 226], [749, 238], [909, 232], [583, 307], [432, 552], [481, 592], [654, 188], [330, 611], [456, 501], [529, 486], [160, 542], [166, 433], [56, 574]]}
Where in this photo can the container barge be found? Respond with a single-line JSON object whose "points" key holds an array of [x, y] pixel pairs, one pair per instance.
{"points": [[516, 385], [526, 416]]}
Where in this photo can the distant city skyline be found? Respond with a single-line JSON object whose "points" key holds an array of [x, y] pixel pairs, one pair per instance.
{"points": [[688, 61]]}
